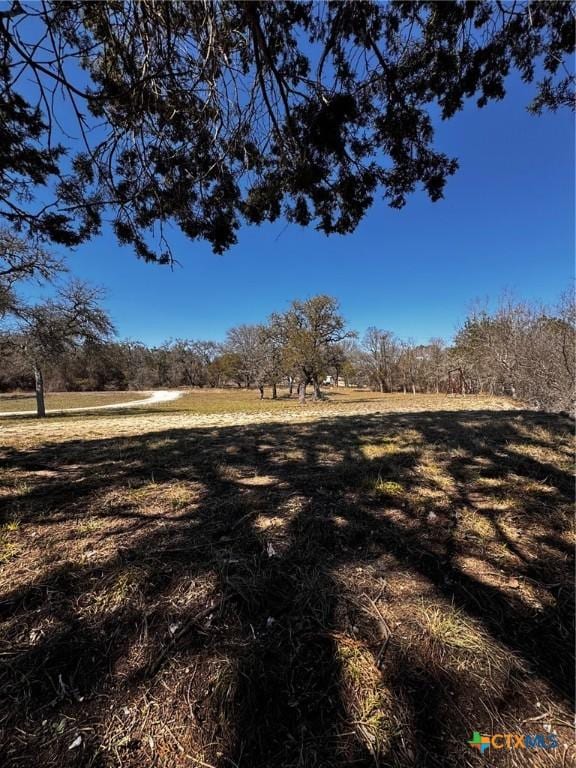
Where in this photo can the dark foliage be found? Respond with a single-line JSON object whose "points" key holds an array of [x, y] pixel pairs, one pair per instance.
{"points": [[208, 115]]}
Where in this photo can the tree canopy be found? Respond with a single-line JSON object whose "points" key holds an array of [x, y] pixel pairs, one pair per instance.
{"points": [[210, 114]]}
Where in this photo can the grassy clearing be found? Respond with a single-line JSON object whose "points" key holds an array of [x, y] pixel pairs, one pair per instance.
{"points": [[220, 408], [235, 402], [353, 585], [242, 401], [26, 401], [232, 400]]}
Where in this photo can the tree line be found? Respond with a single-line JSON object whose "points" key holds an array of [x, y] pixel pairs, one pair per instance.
{"points": [[67, 342]]}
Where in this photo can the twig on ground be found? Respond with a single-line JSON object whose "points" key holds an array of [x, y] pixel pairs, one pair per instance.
{"points": [[155, 665], [385, 632]]}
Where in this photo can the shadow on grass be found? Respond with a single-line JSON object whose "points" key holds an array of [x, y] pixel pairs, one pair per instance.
{"points": [[350, 592]]}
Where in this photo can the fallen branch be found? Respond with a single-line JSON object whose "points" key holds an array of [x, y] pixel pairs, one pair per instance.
{"points": [[384, 630]]}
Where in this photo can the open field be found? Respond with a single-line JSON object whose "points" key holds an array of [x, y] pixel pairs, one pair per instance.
{"points": [[26, 401], [199, 407], [337, 400], [219, 581], [205, 401]]}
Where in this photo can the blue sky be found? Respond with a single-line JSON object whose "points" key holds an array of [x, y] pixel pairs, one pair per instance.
{"points": [[506, 223]]}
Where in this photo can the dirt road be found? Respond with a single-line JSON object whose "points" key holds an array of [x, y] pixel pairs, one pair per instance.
{"points": [[160, 396]]}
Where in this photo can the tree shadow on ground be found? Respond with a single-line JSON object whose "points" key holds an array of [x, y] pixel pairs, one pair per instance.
{"points": [[348, 592]]}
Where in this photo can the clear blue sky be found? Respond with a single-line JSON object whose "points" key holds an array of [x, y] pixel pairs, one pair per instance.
{"points": [[506, 223]]}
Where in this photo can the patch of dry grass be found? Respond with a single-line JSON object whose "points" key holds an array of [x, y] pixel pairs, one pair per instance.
{"points": [[388, 488], [9, 549], [450, 628], [369, 702]]}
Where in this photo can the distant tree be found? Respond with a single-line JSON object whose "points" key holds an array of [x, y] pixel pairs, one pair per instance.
{"points": [[187, 362], [409, 364], [206, 352], [231, 367], [349, 359], [382, 350], [15, 370], [246, 343], [310, 331], [213, 374], [566, 336], [97, 367], [337, 359], [218, 370], [274, 356], [50, 329], [210, 114], [350, 369], [257, 350], [137, 362], [436, 363], [490, 346]]}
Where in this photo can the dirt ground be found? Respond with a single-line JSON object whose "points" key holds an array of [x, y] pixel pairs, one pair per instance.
{"points": [[353, 583]]}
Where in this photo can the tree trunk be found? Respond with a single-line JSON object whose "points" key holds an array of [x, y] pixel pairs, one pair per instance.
{"points": [[291, 386], [39, 387], [337, 375], [317, 392], [381, 383], [302, 391], [274, 393], [413, 388], [261, 390]]}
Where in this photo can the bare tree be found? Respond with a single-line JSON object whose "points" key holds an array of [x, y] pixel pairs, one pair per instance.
{"points": [[522, 350], [409, 364], [187, 362], [246, 343], [382, 350], [273, 348], [436, 363], [22, 260], [340, 360], [50, 329]]}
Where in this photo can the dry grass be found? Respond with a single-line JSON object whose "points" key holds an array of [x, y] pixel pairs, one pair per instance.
{"points": [[369, 703], [242, 401], [360, 582], [26, 401]]}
